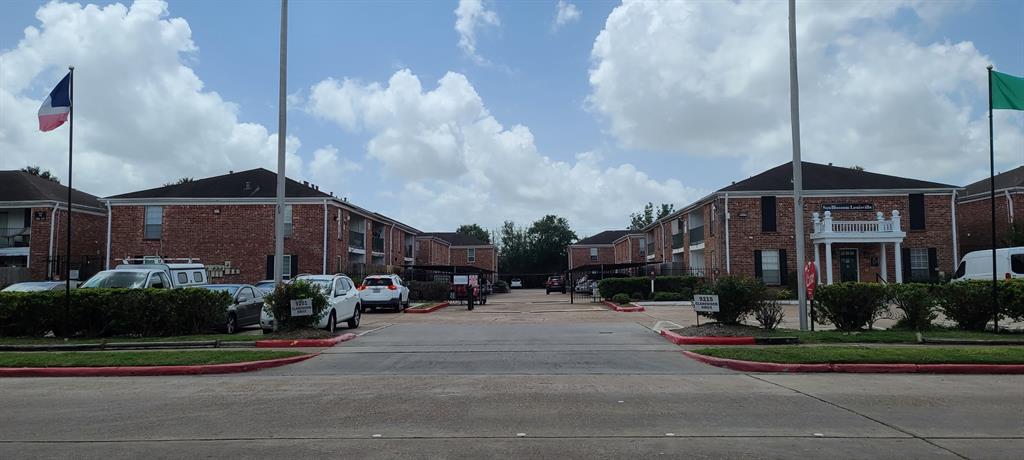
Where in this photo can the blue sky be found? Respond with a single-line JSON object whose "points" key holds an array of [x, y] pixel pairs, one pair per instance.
{"points": [[540, 78]]}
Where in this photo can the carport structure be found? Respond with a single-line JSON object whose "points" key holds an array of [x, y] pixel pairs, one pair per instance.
{"points": [[602, 269], [432, 272]]}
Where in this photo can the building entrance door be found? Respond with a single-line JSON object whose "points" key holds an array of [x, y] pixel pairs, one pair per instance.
{"points": [[848, 271]]}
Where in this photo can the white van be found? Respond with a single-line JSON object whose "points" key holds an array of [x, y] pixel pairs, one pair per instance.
{"points": [[977, 265], [182, 272]]}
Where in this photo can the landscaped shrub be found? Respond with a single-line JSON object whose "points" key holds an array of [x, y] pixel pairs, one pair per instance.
{"points": [[279, 303], [969, 303], [850, 306], [669, 297], [769, 313], [738, 296], [621, 299], [916, 303], [610, 287], [685, 285], [108, 312], [420, 291], [1012, 299]]}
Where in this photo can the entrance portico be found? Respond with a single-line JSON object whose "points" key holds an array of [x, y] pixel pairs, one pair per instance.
{"points": [[858, 233]]}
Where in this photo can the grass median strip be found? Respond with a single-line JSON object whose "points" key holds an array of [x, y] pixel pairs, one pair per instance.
{"points": [[885, 336], [136, 358], [871, 355]]}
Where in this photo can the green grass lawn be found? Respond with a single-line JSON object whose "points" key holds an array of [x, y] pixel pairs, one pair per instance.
{"points": [[135, 358], [874, 355], [243, 337], [885, 336]]}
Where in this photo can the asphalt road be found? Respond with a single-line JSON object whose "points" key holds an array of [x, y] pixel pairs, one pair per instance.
{"points": [[508, 380]]}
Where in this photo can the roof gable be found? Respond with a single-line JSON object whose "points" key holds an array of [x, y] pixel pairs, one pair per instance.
{"points": [[1008, 179], [457, 239], [605, 237], [827, 177], [22, 186], [254, 183]]}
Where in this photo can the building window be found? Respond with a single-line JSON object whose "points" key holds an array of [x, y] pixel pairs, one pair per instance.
{"points": [[471, 255], [154, 222], [287, 220], [770, 267], [919, 266], [917, 211], [768, 214], [593, 254], [286, 270]]}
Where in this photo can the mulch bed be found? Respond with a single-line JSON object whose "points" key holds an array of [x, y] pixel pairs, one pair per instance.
{"points": [[719, 330], [297, 334]]}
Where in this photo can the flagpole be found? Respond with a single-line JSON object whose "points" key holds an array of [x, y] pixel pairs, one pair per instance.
{"points": [[282, 124], [798, 197], [992, 202], [67, 249]]}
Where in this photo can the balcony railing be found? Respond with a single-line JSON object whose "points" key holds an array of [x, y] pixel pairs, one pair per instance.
{"points": [[378, 244], [356, 239], [825, 225], [696, 235], [677, 240], [14, 237]]}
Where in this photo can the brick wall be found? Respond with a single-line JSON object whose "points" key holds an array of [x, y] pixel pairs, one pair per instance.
{"points": [[486, 257], [974, 222], [580, 255], [431, 252], [89, 238]]}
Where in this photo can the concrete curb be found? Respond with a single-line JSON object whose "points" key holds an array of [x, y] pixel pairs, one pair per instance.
{"points": [[714, 340], [139, 371], [756, 366], [429, 309], [631, 308], [304, 343]]}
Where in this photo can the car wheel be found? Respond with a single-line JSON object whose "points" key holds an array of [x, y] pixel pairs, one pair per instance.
{"points": [[354, 321], [232, 325], [332, 322]]}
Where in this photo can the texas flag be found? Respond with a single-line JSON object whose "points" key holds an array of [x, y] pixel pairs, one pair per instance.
{"points": [[55, 109]]}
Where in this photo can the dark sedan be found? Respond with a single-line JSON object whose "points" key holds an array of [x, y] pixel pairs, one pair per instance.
{"points": [[245, 310]]}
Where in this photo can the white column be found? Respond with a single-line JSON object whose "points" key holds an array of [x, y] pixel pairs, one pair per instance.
{"points": [[828, 262], [899, 263], [817, 263], [884, 264]]}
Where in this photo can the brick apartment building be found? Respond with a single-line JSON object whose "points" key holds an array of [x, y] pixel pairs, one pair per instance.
{"points": [[631, 248], [865, 226], [33, 227], [227, 222], [455, 249], [974, 211], [598, 249]]}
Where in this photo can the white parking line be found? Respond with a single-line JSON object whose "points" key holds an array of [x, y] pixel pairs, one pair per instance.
{"points": [[373, 330]]}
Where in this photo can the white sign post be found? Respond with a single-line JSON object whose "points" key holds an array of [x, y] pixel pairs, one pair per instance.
{"points": [[302, 307], [703, 303]]}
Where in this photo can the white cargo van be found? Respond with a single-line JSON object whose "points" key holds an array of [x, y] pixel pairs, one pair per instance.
{"points": [[182, 272], [977, 265]]}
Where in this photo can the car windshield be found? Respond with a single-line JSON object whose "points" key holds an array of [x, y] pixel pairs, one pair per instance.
{"points": [[28, 287], [377, 282], [229, 289], [117, 279], [324, 285]]}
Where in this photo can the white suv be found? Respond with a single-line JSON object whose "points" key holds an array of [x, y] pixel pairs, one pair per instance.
{"points": [[384, 291], [342, 302]]}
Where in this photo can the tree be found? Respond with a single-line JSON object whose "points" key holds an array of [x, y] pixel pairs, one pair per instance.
{"points": [[476, 231], [183, 180], [639, 220], [37, 171], [515, 249], [549, 237]]}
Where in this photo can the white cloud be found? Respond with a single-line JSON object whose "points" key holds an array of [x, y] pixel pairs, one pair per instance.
{"points": [[565, 13], [870, 95], [469, 16], [459, 164], [142, 116]]}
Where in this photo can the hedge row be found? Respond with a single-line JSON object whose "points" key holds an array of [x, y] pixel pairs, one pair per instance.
{"points": [[109, 312], [427, 290], [683, 285]]}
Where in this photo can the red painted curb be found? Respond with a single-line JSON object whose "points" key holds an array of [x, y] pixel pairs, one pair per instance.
{"points": [[300, 343], [430, 309], [139, 371], [755, 366], [714, 340], [613, 306]]}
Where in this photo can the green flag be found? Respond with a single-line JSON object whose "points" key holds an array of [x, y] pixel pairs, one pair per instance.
{"points": [[1007, 91]]}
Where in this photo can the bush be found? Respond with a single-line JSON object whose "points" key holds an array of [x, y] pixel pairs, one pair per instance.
{"points": [[670, 296], [738, 296], [769, 313], [109, 312], [621, 299], [432, 290], [916, 303], [636, 296], [969, 303], [685, 285], [279, 304], [1012, 299], [851, 306]]}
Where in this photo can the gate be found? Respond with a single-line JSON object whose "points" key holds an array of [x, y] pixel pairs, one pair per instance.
{"points": [[86, 266]]}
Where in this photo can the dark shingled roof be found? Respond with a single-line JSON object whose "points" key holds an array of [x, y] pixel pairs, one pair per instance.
{"points": [[261, 184], [22, 186], [1008, 179], [825, 177], [605, 237], [457, 239]]}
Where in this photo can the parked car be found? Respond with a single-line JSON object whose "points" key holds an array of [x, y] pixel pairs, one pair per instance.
{"points": [[187, 273], [30, 286], [247, 303], [977, 265], [554, 284], [129, 278], [384, 291], [265, 286], [582, 286], [343, 302], [516, 283]]}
